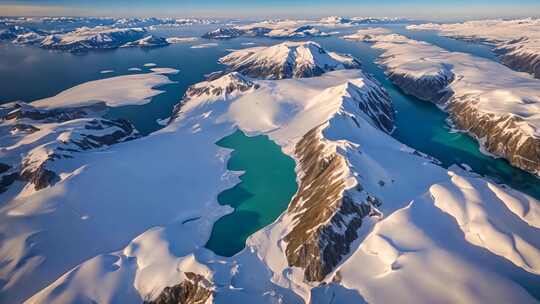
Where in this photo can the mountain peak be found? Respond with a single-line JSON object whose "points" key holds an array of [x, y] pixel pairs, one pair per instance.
{"points": [[287, 60]]}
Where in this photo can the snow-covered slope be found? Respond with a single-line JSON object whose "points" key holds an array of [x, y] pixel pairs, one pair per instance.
{"points": [[287, 60], [337, 21], [41, 135], [366, 33], [28, 38], [85, 38], [82, 34], [37, 139], [498, 106], [516, 41], [22, 35], [140, 213], [149, 41], [12, 32], [136, 89], [435, 245], [261, 31], [290, 28]]}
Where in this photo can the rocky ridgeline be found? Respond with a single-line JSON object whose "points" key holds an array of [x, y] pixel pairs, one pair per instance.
{"points": [[148, 42], [225, 33], [84, 38], [326, 211], [500, 134], [431, 88], [497, 106], [217, 85], [517, 55], [287, 60], [196, 289], [65, 131], [375, 104], [326, 215]]}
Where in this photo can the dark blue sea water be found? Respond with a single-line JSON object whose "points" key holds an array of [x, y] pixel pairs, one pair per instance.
{"points": [[29, 73]]}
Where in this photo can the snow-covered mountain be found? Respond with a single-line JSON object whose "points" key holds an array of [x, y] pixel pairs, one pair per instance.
{"points": [[148, 41], [224, 33], [19, 34], [517, 41], [287, 60], [370, 213], [261, 31], [290, 28], [153, 21], [85, 38], [105, 21], [40, 138], [42, 135], [344, 21], [498, 106]]}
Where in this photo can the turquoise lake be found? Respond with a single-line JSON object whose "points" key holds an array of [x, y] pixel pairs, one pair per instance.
{"points": [[265, 190]]}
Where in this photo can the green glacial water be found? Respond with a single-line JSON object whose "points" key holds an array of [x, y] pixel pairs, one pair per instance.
{"points": [[266, 187]]}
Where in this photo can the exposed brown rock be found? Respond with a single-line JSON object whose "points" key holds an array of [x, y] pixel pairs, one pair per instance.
{"points": [[514, 56], [194, 290], [325, 217], [20, 110], [498, 134], [425, 88], [39, 177], [224, 84], [376, 104], [86, 134], [26, 128], [255, 66]]}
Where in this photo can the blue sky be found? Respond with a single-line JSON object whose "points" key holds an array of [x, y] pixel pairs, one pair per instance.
{"points": [[428, 9]]}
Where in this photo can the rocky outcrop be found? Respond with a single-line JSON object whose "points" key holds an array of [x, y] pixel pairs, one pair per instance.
{"points": [[224, 33], [432, 88], [518, 55], [21, 110], [228, 84], [261, 31], [68, 131], [326, 215], [20, 33], [91, 134], [375, 103], [194, 290], [499, 135], [287, 60], [148, 42], [85, 38], [497, 106]]}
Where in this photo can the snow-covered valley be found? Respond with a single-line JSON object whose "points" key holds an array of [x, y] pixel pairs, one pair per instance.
{"points": [[370, 212]]}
